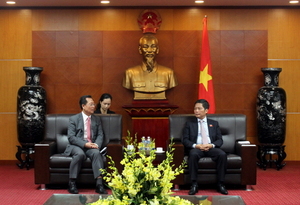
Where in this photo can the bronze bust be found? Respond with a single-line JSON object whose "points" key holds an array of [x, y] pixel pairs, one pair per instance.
{"points": [[149, 80]]}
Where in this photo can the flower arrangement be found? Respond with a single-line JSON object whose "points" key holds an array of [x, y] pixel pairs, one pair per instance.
{"points": [[141, 182]]}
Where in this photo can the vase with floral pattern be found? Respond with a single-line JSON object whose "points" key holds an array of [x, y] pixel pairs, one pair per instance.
{"points": [[271, 109], [31, 108]]}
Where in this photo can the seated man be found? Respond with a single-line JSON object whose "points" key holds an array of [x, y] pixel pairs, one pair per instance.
{"points": [[202, 138], [85, 136]]}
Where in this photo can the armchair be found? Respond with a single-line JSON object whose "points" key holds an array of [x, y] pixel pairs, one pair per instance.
{"points": [[241, 165], [51, 167]]}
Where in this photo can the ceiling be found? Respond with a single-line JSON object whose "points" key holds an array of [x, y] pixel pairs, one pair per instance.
{"points": [[143, 3]]}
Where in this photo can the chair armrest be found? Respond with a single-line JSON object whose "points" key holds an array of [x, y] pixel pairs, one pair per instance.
{"points": [[43, 151], [238, 146], [178, 158], [249, 169], [115, 150]]}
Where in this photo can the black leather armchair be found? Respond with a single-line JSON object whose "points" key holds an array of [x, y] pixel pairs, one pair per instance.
{"points": [[241, 167], [51, 167]]}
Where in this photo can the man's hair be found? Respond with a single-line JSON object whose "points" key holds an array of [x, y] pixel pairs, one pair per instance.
{"points": [[204, 103], [83, 101]]}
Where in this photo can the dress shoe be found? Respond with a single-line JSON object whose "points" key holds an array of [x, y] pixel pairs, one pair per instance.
{"points": [[100, 189], [193, 190], [72, 188], [221, 188]]}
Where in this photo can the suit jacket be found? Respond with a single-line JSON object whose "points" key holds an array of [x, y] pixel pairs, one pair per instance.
{"points": [[190, 133], [76, 132], [108, 111]]}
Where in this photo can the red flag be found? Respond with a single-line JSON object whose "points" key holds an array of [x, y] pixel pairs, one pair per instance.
{"points": [[206, 89]]}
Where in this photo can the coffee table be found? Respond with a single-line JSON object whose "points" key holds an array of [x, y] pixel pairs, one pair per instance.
{"points": [[74, 199]]}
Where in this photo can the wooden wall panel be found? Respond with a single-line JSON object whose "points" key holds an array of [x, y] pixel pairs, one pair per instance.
{"points": [[188, 18], [191, 19], [292, 141], [15, 34], [109, 19], [12, 77], [54, 19], [243, 19], [167, 17], [15, 52], [283, 30], [9, 139], [284, 52]]}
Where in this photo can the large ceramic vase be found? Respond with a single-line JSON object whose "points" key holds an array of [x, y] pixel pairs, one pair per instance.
{"points": [[271, 109], [31, 108]]}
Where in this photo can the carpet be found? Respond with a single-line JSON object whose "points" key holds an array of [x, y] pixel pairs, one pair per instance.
{"points": [[273, 187]]}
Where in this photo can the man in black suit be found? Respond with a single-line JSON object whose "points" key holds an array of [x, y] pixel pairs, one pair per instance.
{"points": [[85, 136], [202, 138]]}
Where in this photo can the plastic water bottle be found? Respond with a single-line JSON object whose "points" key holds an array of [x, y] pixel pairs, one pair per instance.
{"points": [[143, 143], [148, 143]]}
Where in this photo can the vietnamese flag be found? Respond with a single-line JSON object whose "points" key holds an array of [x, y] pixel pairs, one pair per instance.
{"points": [[206, 89]]}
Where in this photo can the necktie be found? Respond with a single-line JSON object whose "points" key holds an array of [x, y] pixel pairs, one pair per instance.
{"points": [[88, 129], [203, 133]]}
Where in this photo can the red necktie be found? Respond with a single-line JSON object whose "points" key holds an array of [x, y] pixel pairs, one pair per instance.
{"points": [[203, 133], [88, 129]]}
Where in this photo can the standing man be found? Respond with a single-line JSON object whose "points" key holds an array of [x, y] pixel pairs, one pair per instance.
{"points": [[85, 136], [202, 138]]}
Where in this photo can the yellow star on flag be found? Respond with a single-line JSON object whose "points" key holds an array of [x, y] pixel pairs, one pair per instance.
{"points": [[205, 77]]}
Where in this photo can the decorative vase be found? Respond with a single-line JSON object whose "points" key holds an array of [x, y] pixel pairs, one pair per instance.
{"points": [[271, 109], [31, 108]]}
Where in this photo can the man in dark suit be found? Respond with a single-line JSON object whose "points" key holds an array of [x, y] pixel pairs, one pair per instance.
{"points": [[85, 136], [202, 138]]}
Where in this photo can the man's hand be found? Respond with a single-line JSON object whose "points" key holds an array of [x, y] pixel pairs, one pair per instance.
{"points": [[91, 145], [204, 147]]}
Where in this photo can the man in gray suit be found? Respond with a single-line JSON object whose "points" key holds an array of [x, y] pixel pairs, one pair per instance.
{"points": [[85, 136]]}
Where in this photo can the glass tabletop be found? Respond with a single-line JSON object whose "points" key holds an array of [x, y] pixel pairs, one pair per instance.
{"points": [[74, 199]]}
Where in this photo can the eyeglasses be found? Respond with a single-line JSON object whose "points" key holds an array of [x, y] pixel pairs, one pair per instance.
{"points": [[91, 105]]}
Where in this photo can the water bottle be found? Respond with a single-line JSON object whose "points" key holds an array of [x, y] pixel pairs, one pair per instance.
{"points": [[143, 143], [148, 143]]}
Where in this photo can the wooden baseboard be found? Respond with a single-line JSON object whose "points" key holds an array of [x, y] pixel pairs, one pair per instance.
{"points": [[9, 162], [291, 162]]}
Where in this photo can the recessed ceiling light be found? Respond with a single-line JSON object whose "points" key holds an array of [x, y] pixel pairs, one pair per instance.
{"points": [[11, 2], [294, 2], [104, 2], [199, 2]]}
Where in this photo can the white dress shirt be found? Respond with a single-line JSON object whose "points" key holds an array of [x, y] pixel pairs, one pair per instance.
{"points": [[85, 117], [205, 126]]}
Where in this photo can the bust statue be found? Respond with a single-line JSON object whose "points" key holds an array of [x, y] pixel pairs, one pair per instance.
{"points": [[149, 80]]}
